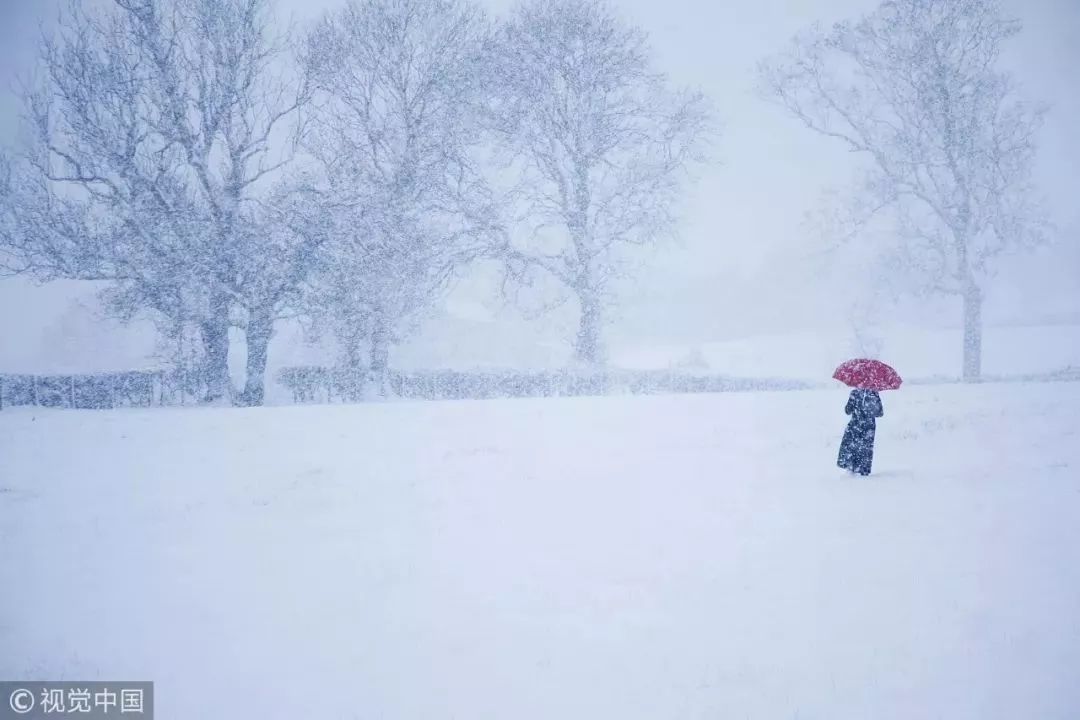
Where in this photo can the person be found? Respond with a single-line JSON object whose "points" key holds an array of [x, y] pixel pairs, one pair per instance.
{"points": [[857, 447]]}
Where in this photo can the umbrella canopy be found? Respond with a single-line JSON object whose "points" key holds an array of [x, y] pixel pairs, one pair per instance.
{"points": [[867, 374]]}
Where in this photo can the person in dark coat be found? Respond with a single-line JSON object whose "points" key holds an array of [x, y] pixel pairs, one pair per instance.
{"points": [[857, 447]]}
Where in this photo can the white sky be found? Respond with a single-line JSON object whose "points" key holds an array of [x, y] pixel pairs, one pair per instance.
{"points": [[744, 260]]}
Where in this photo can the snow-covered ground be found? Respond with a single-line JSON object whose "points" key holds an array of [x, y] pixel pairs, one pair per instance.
{"points": [[632, 557]]}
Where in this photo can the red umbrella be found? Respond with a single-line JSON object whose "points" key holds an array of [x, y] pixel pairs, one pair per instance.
{"points": [[868, 375]]}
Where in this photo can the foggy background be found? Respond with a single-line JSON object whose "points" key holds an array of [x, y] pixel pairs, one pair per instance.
{"points": [[747, 262]]}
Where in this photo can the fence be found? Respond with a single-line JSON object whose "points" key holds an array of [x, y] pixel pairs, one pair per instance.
{"points": [[321, 384], [95, 391], [315, 384]]}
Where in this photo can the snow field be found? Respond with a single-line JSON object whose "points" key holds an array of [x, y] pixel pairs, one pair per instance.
{"points": [[631, 557]]}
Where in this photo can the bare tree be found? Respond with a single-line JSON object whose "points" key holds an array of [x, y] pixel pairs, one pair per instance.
{"points": [[915, 88], [395, 133], [600, 142], [8, 260], [155, 122]]}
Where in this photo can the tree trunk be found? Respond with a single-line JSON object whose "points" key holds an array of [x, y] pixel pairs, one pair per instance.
{"points": [[351, 349], [973, 300], [588, 349], [260, 329], [215, 340], [379, 370], [351, 378]]}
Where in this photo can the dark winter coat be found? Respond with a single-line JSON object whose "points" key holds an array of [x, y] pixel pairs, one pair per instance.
{"points": [[857, 447]]}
